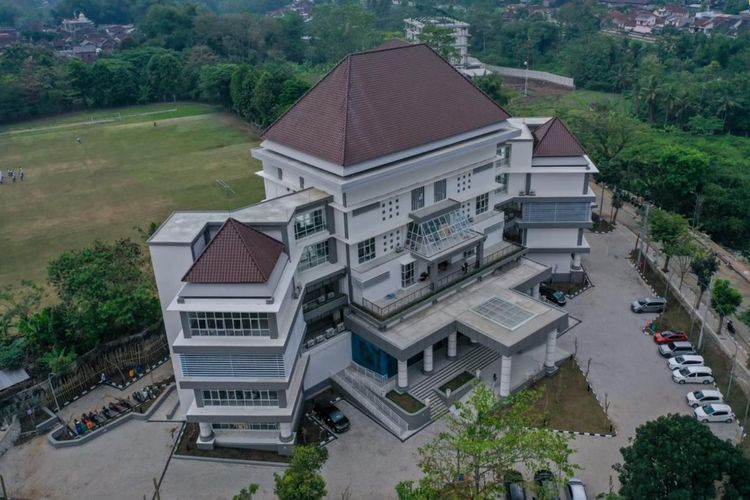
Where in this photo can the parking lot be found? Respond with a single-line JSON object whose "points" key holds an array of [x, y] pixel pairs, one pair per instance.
{"points": [[368, 461], [625, 364]]}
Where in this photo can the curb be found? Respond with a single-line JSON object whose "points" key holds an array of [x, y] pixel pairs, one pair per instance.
{"points": [[229, 460], [590, 434]]}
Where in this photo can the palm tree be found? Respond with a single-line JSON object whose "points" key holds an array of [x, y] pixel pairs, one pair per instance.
{"points": [[726, 106], [617, 202], [651, 95]]}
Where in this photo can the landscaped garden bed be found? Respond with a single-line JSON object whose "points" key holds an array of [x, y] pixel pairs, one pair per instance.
{"points": [[601, 225], [459, 381], [568, 404], [405, 401], [187, 447]]}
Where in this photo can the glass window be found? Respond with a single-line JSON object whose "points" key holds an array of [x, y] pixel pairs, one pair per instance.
{"points": [[366, 250], [502, 181], [314, 255], [503, 153], [240, 398], [483, 203], [439, 189], [279, 173], [407, 275], [309, 223], [440, 233], [302, 183], [228, 324], [575, 211], [417, 198]]}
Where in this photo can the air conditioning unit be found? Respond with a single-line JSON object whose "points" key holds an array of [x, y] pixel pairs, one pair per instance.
{"points": [[532, 193], [297, 291], [321, 299], [330, 333], [522, 193], [330, 295], [399, 249], [340, 327]]}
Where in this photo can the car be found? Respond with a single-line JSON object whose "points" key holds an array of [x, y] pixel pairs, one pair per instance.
{"points": [[700, 398], [649, 304], [514, 487], [717, 412], [693, 375], [675, 349], [553, 295], [575, 490], [684, 360], [545, 480], [668, 336], [332, 416]]}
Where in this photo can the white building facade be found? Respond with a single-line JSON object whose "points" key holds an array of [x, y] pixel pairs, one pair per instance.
{"points": [[395, 227], [413, 29]]}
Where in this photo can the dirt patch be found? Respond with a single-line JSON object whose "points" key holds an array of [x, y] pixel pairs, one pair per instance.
{"points": [[187, 447]]}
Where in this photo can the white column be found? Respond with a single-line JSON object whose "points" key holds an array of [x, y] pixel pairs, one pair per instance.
{"points": [[535, 291], [549, 362], [452, 345], [403, 374], [505, 377], [427, 361], [576, 261], [285, 432], [206, 432]]}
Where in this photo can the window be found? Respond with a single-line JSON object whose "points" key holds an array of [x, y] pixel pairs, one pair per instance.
{"points": [[366, 250], [302, 183], [255, 426], [389, 209], [503, 153], [417, 198], [228, 324], [309, 223], [407, 275], [314, 255], [279, 173], [571, 211], [220, 397], [463, 182], [502, 181], [392, 241], [483, 203], [440, 190]]}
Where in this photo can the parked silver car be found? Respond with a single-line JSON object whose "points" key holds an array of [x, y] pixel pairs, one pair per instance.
{"points": [[684, 360], [693, 375], [575, 490], [675, 349], [649, 304], [714, 413], [700, 398]]}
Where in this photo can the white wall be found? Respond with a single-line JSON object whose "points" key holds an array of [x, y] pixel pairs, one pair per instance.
{"points": [[559, 262], [563, 184], [552, 237], [328, 358]]}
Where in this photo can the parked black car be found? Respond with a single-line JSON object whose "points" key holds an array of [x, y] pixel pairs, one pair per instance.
{"points": [[331, 416], [554, 296], [544, 479]]}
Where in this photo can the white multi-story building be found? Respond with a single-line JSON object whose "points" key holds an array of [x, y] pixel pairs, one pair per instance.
{"points": [[413, 29], [407, 224]]}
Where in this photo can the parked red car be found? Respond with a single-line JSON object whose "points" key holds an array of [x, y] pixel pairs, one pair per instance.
{"points": [[667, 336]]}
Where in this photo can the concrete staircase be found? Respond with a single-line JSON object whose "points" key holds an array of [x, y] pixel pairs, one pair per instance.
{"points": [[476, 359]]}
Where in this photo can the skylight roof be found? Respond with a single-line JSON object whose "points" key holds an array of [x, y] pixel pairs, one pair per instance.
{"points": [[504, 313]]}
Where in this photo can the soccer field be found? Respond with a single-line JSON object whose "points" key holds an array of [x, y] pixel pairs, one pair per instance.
{"points": [[123, 173]]}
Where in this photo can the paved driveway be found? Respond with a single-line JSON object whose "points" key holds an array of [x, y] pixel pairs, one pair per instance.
{"points": [[625, 365]]}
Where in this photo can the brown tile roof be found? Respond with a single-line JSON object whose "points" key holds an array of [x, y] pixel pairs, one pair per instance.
{"points": [[382, 101], [237, 254], [554, 139]]}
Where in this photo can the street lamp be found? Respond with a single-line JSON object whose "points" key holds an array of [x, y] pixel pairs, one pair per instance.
{"points": [[51, 388], [526, 79]]}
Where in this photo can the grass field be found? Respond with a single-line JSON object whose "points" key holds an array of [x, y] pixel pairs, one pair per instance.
{"points": [[123, 174]]}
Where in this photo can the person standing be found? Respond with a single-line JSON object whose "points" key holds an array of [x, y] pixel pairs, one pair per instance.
{"points": [[1, 177], [20, 173]]}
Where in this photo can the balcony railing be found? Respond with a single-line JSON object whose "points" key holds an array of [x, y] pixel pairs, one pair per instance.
{"points": [[420, 295]]}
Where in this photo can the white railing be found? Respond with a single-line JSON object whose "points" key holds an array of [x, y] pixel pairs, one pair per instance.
{"points": [[379, 377], [374, 404]]}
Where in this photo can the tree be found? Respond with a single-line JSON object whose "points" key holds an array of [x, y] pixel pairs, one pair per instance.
{"points": [[484, 441], [617, 202], [214, 83], [670, 230], [492, 85], [441, 39], [653, 465], [725, 300], [338, 30], [246, 493], [684, 253], [302, 479], [164, 75], [704, 266]]}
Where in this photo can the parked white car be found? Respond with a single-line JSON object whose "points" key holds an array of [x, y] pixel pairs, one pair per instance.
{"points": [[693, 375], [714, 413], [700, 398], [684, 360]]}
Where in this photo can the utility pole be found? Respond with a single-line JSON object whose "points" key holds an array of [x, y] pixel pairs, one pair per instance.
{"points": [[705, 312], [601, 205], [526, 79], [642, 235], [734, 363], [51, 388]]}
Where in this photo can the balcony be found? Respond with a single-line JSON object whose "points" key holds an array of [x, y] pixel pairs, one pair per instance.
{"points": [[404, 299], [440, 230]]}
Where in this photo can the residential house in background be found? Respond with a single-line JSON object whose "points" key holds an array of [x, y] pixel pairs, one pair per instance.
{"points": [[413, 29], [407, 225]]}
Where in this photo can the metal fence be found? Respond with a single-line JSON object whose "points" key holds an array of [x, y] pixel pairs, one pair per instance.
{"points": [[384, 312], [374, 403]]}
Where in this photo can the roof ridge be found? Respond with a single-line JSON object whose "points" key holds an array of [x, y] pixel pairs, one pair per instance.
{"points": [[406, 45], [346, 105], [205, 250], [548, 124], [572, 135], [250, 252]]}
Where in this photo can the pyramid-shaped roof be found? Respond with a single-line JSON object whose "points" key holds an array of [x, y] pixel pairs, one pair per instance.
{"points": [[554, 139], [237, 254], [383, 101]]}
